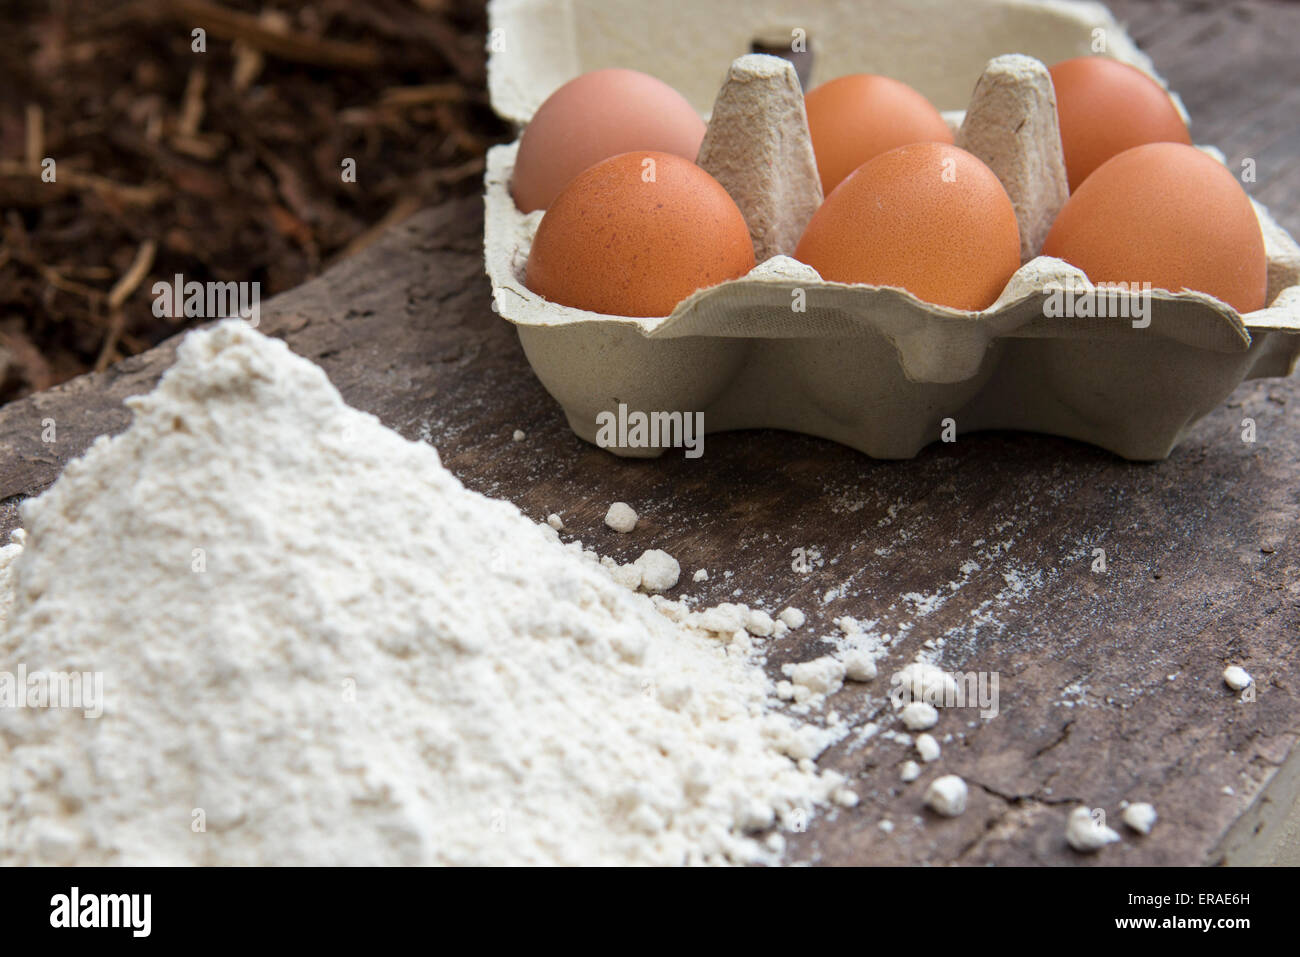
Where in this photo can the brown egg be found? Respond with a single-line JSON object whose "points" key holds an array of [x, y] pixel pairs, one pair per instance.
{"points": [[1169, 215], [1106, 107], [596, 116], [637, 234], [929, 218], [856, 118]]}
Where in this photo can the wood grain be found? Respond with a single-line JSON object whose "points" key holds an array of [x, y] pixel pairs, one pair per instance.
{"points": [[1110, 684]]}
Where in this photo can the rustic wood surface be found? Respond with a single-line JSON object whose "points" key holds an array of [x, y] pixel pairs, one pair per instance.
{"points": [[1110, 681]]}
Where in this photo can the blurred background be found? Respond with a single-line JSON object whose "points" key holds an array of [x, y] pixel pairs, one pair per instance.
{"points": [[224, 164]]}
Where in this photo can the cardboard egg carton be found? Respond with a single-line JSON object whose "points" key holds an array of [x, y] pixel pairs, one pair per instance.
{"points": [[871, 367]]}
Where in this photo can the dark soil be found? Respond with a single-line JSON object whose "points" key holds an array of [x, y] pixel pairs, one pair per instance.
{"points": [[222, 165]]}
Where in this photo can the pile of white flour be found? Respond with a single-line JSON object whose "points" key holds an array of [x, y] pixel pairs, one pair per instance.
{"points": [[317, 647]]}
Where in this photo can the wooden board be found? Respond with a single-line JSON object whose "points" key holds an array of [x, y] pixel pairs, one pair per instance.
{"points": [[1110, 684]]}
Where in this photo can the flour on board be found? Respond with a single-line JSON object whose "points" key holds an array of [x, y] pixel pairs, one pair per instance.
{"points": [[331, 652]]}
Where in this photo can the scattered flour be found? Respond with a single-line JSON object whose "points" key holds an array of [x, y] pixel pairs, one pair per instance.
{"points": [[919, 716], [928, 748], [1087, 833], [792, 617], [655, 571], [621, 517], [659, 570], [725, 618], [814, 680], [924, 682], [1140, 816], [859, 665], [332, 652], [946, 795], [1237, 678]]}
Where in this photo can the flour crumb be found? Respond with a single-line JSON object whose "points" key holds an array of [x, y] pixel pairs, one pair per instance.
{"points": [[701, 575], [921, 681], [792, 617], [518, 435], [1087, 833], [555, 521], [1237, 678], [859, 665], [910, 771], [659, 571], [627, 575], [946, 795], [1140, 816], [918, 716], [759, 623], [814, 680], [845, 797], [887, 826], [723, 618], [927, 747], [621, 517]]}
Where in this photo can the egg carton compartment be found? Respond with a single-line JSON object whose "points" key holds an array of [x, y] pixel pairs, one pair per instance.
{"points": [[871, 367]]}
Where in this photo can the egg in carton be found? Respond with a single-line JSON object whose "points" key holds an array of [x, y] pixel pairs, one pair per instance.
{"points": [[874, 367]]}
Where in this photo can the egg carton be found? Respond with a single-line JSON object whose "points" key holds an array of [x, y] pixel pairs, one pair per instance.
{"points": [[871, 367]]}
